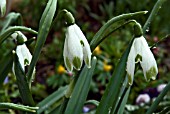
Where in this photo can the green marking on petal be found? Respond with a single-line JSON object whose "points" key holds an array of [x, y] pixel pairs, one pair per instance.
{"points": [[26, 62], [68, 64], [77, 63], [151, 73], [138, 58], [88, 62], [82, 43], [130, 81]]}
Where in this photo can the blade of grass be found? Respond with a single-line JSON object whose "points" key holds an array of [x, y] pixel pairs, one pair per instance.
{"points": [[122, 102], [121, 95], [43, 31], [17, 107], [51, 99], [6, 65], [81, 89], [68, 93]]}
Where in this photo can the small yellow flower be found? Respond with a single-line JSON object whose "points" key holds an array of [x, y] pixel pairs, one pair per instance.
{"points": [[97, 50], [61, 69], [107, 67]]}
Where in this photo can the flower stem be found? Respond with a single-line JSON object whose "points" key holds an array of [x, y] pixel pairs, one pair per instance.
{"points": [[68, 94], [98, 38]]}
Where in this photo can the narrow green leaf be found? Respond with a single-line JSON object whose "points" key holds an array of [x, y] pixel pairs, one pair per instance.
{"points": [[81, 89], [22, 83], [113, 88], [17, 107], [98, 38], [44, 15], [68, 94], [55, 111], [6, 65], [121, 95], [93, 102], [51, 99], [43, 31], [158, 99], [12, 18], [5, 34], [123, 102], [153, 14]]}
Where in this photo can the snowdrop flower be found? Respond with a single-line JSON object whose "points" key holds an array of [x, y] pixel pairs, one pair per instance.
{"points": [[2, 7], [143, 99], [161, 87], [76, 48], [22, 51], [140, 52], [24, 55]]}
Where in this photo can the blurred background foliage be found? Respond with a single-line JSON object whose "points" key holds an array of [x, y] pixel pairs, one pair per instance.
{"points": [[90, 15]]}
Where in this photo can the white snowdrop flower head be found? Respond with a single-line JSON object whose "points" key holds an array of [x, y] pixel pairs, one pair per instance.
{"points": [[24, 55], [22, 51], [140, 52], [76, 48], [2, 7], [161, 87], [143, 99]]}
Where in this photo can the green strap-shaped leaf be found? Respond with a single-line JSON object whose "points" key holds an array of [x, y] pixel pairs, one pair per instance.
{"points": [[12, 18], [5, 66], [81, 89], [113, 88], [17, 107], [123, 102], [51, 99], [98, 38], [43, 31], [153, 14], [22, 83], [5, 34], [96, 103]]}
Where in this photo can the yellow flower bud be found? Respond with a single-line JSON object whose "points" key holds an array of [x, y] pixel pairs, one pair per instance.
{"points": [[61, 69], [97, 50], [107, 67]]}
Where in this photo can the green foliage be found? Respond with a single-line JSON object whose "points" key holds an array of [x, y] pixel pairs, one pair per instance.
{"points": [[109, 90]]}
